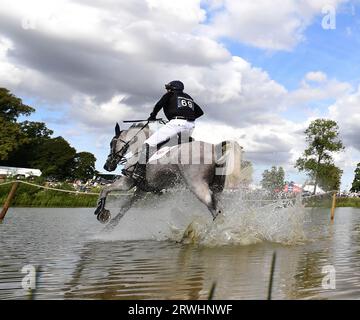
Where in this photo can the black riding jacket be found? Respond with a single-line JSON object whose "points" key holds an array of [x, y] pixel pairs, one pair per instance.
{"points": [[178, 104]]}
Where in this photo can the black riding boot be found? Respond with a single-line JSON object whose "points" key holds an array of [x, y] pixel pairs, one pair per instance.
{"points": [[139, 172]]}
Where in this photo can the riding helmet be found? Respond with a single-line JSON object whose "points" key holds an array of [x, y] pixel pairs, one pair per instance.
{"points": [[175, 85]]}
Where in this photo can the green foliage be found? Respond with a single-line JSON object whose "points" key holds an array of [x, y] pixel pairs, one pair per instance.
{"points": [[30, 196], [83, 166], [12, 107], [54, 158], [34, 134], [356, 183], [36, 131], [348, 202], [322, 137], [29, 144], [329, 177], [10, 138], [325, 201], [274, 179]]}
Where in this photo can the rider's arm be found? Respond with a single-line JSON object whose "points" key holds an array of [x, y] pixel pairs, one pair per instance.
{"points": [[198, 111], [159, 105]]}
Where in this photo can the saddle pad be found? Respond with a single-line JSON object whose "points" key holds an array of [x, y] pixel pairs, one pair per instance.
{"points": [[160, 153]]}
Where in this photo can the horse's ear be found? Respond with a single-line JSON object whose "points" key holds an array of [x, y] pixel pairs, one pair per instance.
{"points": [[117, 130]]}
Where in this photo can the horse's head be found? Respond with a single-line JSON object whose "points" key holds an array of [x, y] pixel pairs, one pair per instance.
{"points": [[123, 142]]}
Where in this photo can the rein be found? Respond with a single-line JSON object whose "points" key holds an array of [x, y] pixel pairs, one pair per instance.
{"points": [[119, 158]]}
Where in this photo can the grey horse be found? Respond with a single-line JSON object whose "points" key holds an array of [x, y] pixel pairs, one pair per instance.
{"points": [[202, 167]]}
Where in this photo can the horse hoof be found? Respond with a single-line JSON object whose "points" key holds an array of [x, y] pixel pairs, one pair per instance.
{"points": [[104, 216], [217, 214], [100, 206]]}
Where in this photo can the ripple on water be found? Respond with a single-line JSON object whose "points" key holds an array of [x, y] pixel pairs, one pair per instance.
{"points": [[77, 261]]}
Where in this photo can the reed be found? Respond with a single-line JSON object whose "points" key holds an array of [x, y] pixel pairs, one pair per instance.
{"points": [[271, 278], [326, 202], [212, 291], [348, 202]]}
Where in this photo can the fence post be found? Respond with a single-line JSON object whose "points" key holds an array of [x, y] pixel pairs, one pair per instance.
{"points": [[333, 206], [271, 279], [8, 200]]}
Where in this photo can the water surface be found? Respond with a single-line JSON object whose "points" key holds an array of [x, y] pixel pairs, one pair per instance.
{"points": [[78, 261]]}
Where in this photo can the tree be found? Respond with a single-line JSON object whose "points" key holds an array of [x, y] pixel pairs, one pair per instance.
{"points": [[11, 136], [29, 144], [356, 183], [54, 158], [35, 130], [329, 177], [83, 166], [33, 134], [11, 107], [322, 137], [274, 179]]}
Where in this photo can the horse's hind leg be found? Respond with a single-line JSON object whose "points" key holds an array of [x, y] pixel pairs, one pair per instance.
{"points": [[206, 196]]}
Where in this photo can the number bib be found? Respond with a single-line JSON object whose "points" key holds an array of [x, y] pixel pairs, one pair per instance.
{"points": [[185, 103]]}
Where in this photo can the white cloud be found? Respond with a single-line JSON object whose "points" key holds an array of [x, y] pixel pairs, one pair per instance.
{"points": [[130, 52], [279, 143], [274, 25], [346, 111], [10, 74], [101, 115], [316, 76], [112, 62], [316, 87]]}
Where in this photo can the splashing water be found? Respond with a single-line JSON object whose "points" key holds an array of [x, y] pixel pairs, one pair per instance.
{"points": [[179, 216]]}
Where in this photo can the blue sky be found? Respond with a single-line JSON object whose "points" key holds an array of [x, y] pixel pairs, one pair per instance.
{"points": [[292, 70]]}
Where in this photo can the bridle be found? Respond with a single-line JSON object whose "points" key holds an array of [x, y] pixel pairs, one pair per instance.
{"points": [[119, 156]]}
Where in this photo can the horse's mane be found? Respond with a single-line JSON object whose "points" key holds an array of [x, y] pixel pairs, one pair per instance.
{"points": [[137, 125]]}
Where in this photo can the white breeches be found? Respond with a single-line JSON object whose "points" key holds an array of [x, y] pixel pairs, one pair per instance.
{"points": [[170, 130]]}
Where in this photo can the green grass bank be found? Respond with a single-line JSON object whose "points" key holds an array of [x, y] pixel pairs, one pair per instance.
{"points": [[29, 196]]}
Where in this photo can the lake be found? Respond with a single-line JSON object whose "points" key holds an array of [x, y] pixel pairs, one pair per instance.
{"points": [[143, 259]]}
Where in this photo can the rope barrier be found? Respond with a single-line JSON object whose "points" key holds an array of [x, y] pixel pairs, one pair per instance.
{"points": [[124, 194], [56, 189]]}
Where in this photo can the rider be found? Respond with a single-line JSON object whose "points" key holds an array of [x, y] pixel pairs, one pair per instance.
{"points": [[181, 111]]}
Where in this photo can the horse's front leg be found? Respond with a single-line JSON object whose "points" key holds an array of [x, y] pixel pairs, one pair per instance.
{"points": [[122, 184], [138, 194]]}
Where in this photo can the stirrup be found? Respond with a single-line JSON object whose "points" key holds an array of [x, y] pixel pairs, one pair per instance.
{"points": [[137, 177], [126, 173]]}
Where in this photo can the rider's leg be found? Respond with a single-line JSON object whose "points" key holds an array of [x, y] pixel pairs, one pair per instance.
{"points": [[149, 147], [140, 168], [164, 133], [171, 129]]}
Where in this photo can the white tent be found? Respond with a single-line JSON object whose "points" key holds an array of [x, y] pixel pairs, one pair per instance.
{"points": [[13, 171], [310, 188]]}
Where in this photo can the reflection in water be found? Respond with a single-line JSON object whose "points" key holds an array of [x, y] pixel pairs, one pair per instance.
{"points": [[77, 265], [136, 272]]}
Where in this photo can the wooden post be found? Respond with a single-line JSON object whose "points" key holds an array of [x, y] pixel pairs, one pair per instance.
{"points": [[333, 206], [271, 279], [8, 200]]}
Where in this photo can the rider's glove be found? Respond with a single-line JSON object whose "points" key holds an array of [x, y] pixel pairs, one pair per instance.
{"points": [[152, 118]]}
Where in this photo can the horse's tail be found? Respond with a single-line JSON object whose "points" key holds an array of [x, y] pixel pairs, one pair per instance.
{"points": [[227, 165]]}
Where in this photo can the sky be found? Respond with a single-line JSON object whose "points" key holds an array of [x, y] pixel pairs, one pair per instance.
{"points": [[261, 70]]}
